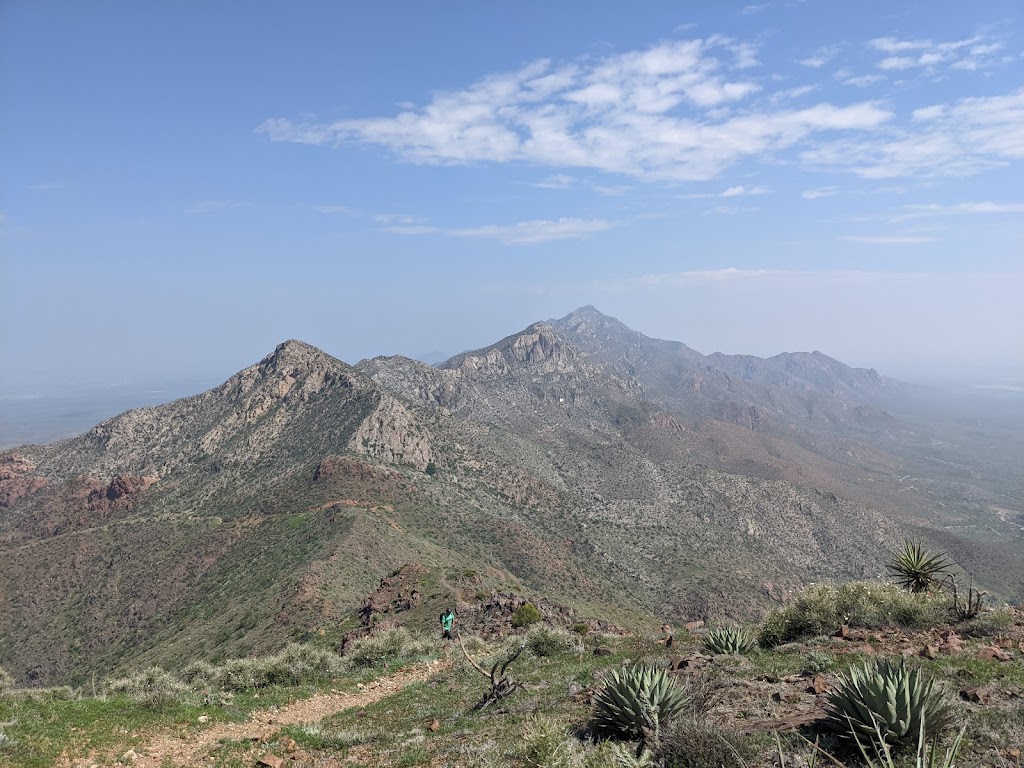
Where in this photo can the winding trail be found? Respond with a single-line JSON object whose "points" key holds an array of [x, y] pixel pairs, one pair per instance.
{"points": [[189, 747]]}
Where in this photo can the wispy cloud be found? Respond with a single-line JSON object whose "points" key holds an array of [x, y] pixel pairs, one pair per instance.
{"points": [[345, 209], [814, 194], [522, 233], [822, 57], [965, 137], [400, 219], [969, 54], [651, 114], [737, 191], [935, 209], [558, 181], [215, 206], [889, 239]]}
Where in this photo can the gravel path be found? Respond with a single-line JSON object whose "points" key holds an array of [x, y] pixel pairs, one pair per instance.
{"points": [[189, 748]]}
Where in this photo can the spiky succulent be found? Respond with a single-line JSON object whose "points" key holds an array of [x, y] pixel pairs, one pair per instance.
{"points": [[732, 640], [915, 568], [636, 701], [888, 700]]}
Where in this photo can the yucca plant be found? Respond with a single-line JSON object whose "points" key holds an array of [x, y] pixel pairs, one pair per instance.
{"points": [[635, 702], [888, 702], [732, 640], [915, 568]]}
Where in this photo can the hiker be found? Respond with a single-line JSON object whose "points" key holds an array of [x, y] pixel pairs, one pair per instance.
{"points": [[447, 620]]}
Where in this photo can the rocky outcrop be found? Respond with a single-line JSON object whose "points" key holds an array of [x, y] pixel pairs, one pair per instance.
{"points": [[393, 434], [17, 479], [122, 493]]}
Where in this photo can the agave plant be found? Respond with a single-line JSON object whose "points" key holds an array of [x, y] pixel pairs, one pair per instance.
{"points": [[732, 640], [915, 568], [888, 702], [636, 702]]}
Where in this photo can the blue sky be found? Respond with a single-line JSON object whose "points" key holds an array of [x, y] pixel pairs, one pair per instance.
{"points": [[184, 185]]}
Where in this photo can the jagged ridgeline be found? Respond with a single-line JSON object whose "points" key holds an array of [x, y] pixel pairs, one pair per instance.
{"points": [[578, 460]]}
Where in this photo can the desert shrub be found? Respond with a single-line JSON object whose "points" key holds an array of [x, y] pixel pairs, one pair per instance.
{"points": [[303, 664], [544, 640], [816, 662], [822, 608], [546, 743], [887, 700], [199, 674], [915, 568], [696, 742], [732, 640], [386, 648], [635, 700], [6, 741], [988, 624], [152, 688], [525, 615], [580, 628], [6, 681], [56, 693], [243, 674]]}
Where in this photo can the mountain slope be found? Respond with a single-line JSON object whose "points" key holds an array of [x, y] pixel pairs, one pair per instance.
{"points": [[561, 461]]}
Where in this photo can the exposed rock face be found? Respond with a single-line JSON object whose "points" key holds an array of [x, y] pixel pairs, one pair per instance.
{"points": [[17, 479], [123, 492], [392, 433]]}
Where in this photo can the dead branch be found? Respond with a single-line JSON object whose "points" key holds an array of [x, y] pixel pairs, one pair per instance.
{"points": [[502, 685]]}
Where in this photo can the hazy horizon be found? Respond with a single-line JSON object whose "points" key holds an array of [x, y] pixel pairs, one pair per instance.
{"points": [[186, 188]]}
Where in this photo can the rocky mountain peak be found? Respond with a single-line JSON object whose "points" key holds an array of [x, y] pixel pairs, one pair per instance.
{"points": [[589, 320], [539, 347]]}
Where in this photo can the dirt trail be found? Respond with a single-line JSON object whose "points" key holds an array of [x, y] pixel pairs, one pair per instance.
{"points": [[189, 749]]}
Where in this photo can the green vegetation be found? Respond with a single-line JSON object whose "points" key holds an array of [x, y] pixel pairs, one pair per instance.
{"points": [[890, 702], [546, 640], [730, 639], [915, 568], [822, 608], [636, 702], [525, 615]]}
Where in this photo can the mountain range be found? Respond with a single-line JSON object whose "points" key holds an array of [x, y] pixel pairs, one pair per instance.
{"points": [[631, 478]]}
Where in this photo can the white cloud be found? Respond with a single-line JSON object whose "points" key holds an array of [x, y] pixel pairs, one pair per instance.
{"points": [[889, 239], [400, 219], [965, 137], [751, 9], [821, 57], [612, 191], [814, 194], [742, 190], [648, 114], [522, 233], [558, 181], [969, 54], [935, 209]]}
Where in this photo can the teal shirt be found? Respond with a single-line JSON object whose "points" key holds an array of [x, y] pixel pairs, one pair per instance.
{"points": [[447, 620]]}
